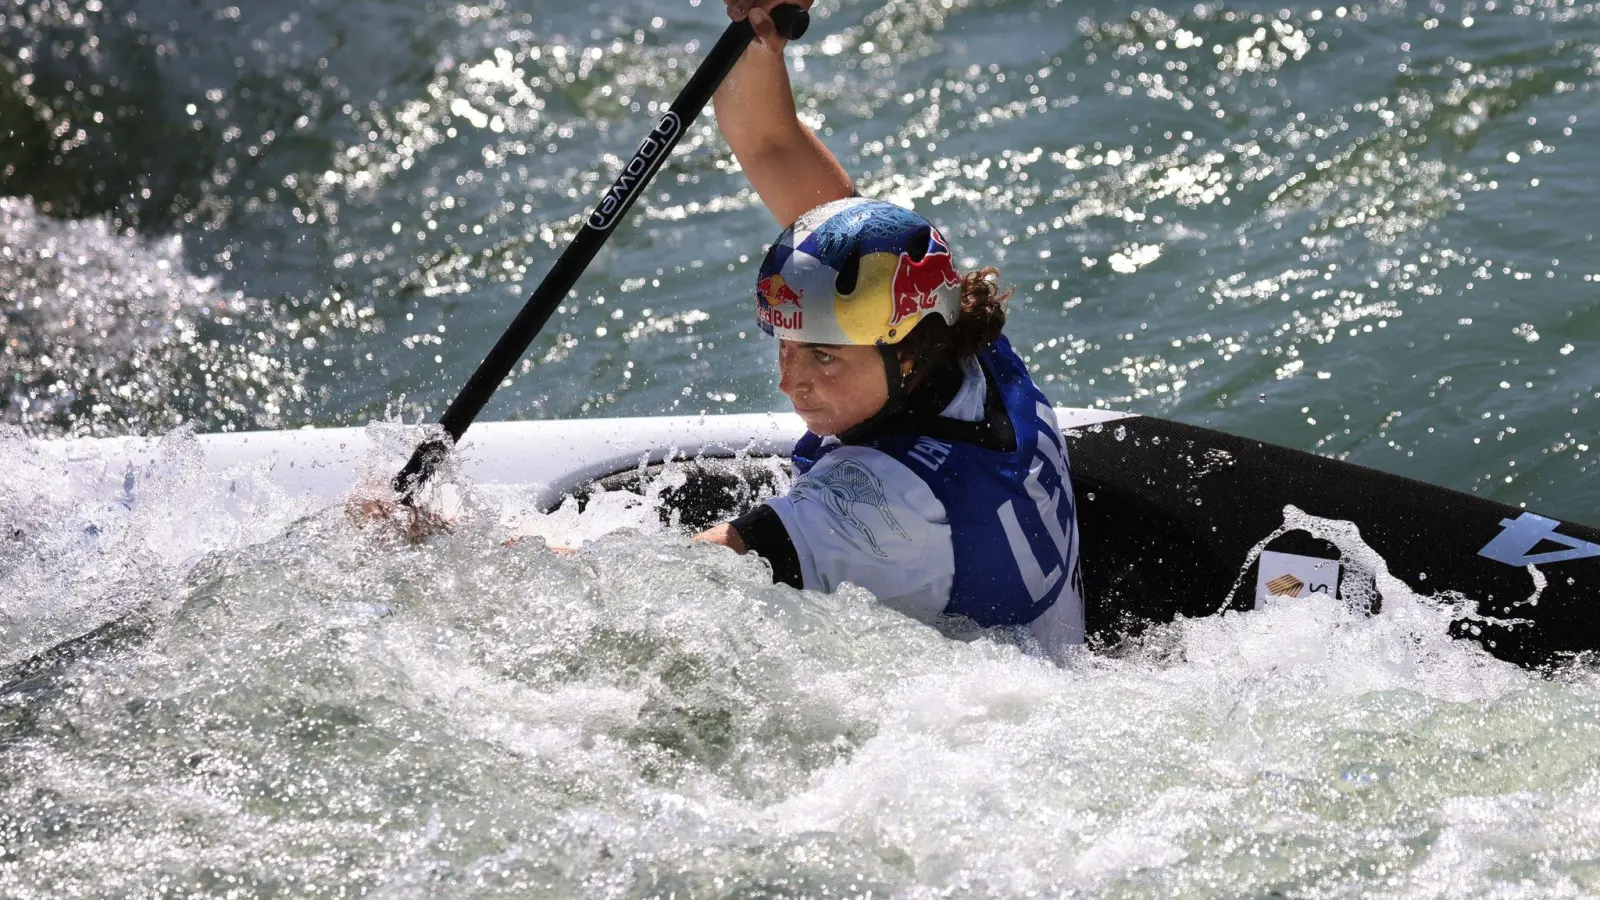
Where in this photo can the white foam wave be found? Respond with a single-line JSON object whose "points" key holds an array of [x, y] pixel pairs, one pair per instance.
{"points": [[312, 707]]}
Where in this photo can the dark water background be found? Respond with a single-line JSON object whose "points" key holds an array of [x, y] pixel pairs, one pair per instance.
{"points": [[1365, 230]]}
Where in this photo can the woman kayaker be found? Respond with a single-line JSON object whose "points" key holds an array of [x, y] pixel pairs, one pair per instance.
{"points": [[932, 473]]}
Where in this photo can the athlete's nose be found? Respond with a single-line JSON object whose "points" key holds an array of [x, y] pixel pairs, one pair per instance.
{"points": [[790, 379]]}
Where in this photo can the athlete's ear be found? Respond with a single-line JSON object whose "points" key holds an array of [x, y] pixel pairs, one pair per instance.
{"points": [[906, 365]]}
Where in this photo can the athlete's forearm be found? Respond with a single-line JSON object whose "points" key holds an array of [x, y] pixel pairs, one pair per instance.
{"points": [[785, 162], [726, 535], [760, 531], [755, 105]]}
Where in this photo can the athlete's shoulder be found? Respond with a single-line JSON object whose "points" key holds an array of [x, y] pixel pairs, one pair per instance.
{"points": [[1003, 359], [863, 517], [871, 476], [860, 502]]}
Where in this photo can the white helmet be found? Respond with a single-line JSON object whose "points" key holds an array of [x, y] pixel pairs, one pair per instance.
{"points": [[856, 271]]}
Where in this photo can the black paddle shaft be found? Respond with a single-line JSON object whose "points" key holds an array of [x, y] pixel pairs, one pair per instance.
{"points": [[791, 22]]}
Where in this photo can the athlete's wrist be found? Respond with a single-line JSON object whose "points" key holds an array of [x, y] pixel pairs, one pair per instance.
{"points": [[759, 15]]}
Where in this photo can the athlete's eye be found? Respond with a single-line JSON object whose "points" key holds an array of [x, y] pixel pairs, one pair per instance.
{"points": [[822, 357]]}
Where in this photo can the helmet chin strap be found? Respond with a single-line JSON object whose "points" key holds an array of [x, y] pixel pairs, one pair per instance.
{"points": [[892, 407], [895, 378]]}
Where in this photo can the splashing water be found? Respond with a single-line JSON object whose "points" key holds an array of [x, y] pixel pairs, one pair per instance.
{"points": [[309, 708], [107, 333], [1361, 229]]}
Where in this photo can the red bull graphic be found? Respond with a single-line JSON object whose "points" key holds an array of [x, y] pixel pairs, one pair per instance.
{"points": [[917, 284], [774, 292]]}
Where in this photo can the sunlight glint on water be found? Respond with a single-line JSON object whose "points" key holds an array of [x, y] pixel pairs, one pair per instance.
{"points": [[1364, 230]]}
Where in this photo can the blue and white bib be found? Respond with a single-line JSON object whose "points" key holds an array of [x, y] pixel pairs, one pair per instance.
{"points": [[935, 526]]}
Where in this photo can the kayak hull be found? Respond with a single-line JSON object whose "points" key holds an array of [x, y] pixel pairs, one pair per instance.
{"points": [[1175, 519]]}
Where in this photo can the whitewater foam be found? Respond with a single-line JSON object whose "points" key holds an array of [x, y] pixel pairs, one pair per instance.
{"points": [[310, 708]]}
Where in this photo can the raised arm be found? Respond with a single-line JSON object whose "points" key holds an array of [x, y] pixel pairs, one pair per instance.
{"points": [[785, 162]]}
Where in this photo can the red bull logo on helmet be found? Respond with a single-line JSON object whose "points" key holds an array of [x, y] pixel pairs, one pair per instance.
{"points": [[917, 284], [774, 292]]}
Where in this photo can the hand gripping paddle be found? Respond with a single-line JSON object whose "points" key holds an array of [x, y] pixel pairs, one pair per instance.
{"points": [[791, 22]]}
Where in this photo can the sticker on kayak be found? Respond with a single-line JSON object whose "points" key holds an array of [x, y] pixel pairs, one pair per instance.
{"points": [[1518, 538], [1289, 575]]}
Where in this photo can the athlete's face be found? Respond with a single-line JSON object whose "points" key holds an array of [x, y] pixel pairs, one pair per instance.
{"points": [[831, 386]]}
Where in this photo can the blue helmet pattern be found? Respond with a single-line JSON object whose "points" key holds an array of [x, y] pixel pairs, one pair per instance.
{"points": [[797, 286]]}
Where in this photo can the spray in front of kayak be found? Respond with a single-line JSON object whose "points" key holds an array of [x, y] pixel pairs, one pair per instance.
{"points": [[108, 332], [308, 708]]}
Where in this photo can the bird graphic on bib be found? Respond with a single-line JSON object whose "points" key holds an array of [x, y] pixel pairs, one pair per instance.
{"points": [[840, 489]]}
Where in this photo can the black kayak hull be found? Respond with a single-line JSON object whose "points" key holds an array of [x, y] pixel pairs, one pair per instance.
{"points": [[1173, 517]]}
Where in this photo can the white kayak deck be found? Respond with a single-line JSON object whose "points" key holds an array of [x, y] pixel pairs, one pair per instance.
{"points": [[552, 456]]}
